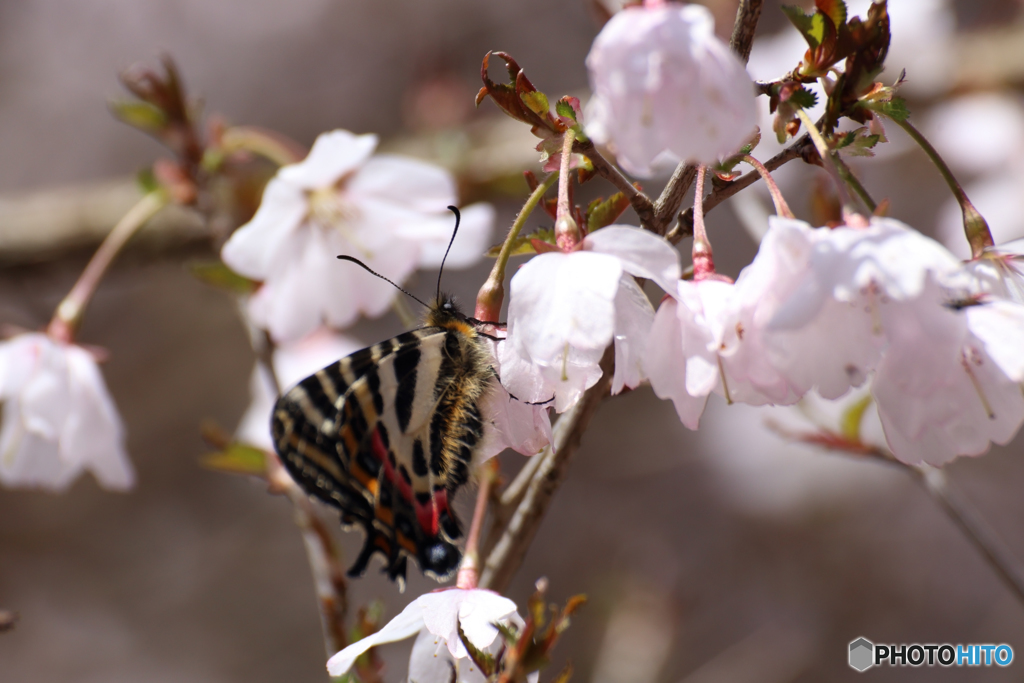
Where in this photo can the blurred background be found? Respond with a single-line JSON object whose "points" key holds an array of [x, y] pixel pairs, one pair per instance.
{"points": [[719, 555]]}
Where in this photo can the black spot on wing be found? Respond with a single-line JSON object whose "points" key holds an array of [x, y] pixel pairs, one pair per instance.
{"points": [[373, 384], [406, 369], [419, 462]]}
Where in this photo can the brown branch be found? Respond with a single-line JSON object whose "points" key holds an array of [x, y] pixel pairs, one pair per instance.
{"points": [[720, 193], [508, 553], [640, 202], [747, 14], [667, 206]]}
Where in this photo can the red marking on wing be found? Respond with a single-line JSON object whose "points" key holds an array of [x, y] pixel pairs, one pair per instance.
{"points": [[427, 516], [394, 477]]}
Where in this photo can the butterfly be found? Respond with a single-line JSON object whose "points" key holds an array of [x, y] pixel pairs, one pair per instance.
{"points": [[387, 435]]}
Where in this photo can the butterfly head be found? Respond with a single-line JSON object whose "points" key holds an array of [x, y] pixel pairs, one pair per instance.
{"points": [[445, 312]]}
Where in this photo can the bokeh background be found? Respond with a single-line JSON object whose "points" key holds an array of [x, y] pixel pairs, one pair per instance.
{"points": [[721, 555]]}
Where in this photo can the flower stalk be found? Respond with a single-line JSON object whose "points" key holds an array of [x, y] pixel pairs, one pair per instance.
{"points": [[492, 292], [703, 261], [975, 226], [850, 215], [781, 207], [567, 233], [469, 570], [68, 315], [268, 144]]}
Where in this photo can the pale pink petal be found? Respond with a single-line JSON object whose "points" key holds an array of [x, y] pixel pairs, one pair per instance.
{"points": [[560, 300], [642, 253], [477, 611], [473, 239], [417, 185], [407, 624], [253, 248], [333, 155], [93, 434], [633, 318], [665, 364], [1000, 327], [512, 423]]}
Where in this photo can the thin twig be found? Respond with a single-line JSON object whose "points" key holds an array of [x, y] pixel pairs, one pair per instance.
{"points": [[747, 14], [508, 553], [469, 568], [973, 526], [640, 202], [936, 485], [322, 552]]}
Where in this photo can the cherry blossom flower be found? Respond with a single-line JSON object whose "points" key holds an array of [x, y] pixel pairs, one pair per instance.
{"points": [[564, 310], [999, 271], [292, 363], [388, 211], [664, 85], [950, 381], [57, 419], [512, 423], [436, 617], [826, 327]]}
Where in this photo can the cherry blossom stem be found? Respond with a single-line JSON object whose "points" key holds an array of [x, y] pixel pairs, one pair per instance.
{"points": [[469, 569], [640, 202], [850, 179], [703, 261], [267, 143], [974, 527], [684, 227], [781, 207], [322, 552], [850, 215], [567, 233], [492, 292], [68, 315], [937, 485], [975, 225], [510, 549]]}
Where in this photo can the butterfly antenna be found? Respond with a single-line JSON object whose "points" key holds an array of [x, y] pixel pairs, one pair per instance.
{"points": [[369, 270], [458, 217]]}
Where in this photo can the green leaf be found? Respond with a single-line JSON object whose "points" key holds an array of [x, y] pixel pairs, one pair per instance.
{"points": [[803, 98], [858, 143], [482, 659], [237, 458], [141, 115], [895, 109], [523, 244], [564, 107], [537, 102], [601, 213], [810, 26], [834, 9], [217, 274], [850, 421], [147, 180]]}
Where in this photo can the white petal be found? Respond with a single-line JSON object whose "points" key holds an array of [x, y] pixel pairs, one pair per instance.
{"points": [[93, 434], [633, 318], [665, 364], [408, 182], [476, 610], [333, 155], [407, 624], [1000, 326], [472, 241], [642, 253], [512, 423], [253, 248], [560, 300]]}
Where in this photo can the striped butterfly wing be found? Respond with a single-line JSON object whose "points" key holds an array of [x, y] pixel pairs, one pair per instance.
{"points": [[373, 435]]}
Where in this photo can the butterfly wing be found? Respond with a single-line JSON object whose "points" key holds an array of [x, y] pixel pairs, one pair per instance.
{"points": [[374, 434]]}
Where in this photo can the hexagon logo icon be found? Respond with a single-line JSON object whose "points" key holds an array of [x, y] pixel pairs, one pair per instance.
{"points": [[862, 654]]}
